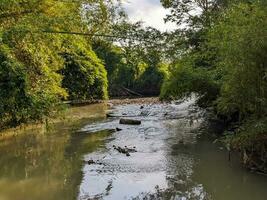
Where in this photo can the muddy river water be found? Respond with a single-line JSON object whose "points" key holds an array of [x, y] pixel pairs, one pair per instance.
{"points": [[176, 158]]}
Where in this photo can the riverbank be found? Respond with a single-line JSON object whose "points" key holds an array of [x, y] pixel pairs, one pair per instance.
{"points": [[74, 113], [70, 115]]}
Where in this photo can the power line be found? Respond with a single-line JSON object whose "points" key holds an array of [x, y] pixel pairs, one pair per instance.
{"points": [[129, 37], [85, 34]]}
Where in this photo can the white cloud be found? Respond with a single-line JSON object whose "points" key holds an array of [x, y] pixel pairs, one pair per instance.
{"points": [[149, 11]]}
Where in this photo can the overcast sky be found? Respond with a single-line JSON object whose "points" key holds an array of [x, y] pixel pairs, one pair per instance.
{"points": [[149, 11]]}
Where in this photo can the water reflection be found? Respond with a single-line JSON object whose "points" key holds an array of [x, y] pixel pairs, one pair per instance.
{"points": [[46, 165], [223, 179], [175, 159]]}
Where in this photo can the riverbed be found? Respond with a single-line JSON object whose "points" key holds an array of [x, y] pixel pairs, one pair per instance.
{"points": [[176, 158]]}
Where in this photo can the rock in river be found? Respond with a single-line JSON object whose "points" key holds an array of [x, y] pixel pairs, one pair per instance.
{"points": [[130, 121], [118, 129], [126, 150]]}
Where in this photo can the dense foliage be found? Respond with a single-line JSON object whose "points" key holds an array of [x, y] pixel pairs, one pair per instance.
{"points": [[51, 51], [39, 66], [223, 61], [84, 75], [135, 61]]}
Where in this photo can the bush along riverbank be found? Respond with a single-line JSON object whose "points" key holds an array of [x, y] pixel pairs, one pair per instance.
{"points": [[225, 65], [250, 139]]}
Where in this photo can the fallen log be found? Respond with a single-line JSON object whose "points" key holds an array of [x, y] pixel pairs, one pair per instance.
{"points": [[131, 91], [130, 121], [108, 115]]}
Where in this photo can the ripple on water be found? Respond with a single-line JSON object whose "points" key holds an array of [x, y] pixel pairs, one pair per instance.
{"points": [[149, 170]]}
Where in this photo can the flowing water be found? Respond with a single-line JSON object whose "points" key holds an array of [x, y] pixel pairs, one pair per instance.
{"points": [[176, 158]]}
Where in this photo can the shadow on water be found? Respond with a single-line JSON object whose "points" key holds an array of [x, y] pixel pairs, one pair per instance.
{"points": [[222, 179]]}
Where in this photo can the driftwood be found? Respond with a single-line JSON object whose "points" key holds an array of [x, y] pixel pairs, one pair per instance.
{"points": [[130, 121], [126, 150], [111, 115], [131, 91]]}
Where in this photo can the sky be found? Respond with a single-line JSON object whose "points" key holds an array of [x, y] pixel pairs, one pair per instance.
{"points": [[150, 12]]}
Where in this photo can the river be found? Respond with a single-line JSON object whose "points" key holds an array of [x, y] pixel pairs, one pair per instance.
{"points": [[176, 158]]}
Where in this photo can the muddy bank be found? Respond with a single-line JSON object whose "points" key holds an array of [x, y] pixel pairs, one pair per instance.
{"points": [[69, 117], [77, 111]]}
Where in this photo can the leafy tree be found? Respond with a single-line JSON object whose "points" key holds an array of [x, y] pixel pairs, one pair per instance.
{"points": [[13, 96], [151, 80], [37, 33], [133, 58], [84, 75], [242, 49], [185, 80], [112, 58], [143, 53]]}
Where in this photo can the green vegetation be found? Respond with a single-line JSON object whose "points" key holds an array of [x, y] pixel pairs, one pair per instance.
{"points": [[31, 59], [223, 61], [84, 75], [136, 62], [51, 51]]}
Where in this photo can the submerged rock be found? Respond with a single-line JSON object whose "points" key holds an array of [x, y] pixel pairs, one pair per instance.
{"points": [[91, 162]]}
